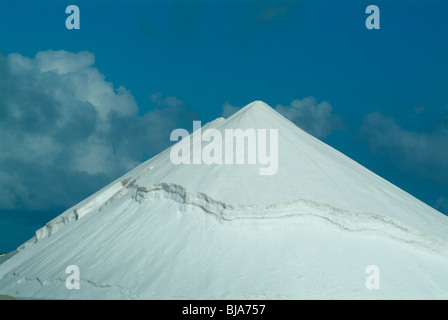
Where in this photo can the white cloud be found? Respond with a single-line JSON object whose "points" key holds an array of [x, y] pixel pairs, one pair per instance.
{"points": [[65, 128], [313, 117]]}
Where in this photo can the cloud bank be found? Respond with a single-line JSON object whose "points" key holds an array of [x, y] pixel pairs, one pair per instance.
{"points": [[424, 153], [66, 130]]}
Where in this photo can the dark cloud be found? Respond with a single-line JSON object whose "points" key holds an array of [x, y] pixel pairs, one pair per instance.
{"points": [[269, 10], [258, 14], [421, 152], [190, 20], [187, 15]]}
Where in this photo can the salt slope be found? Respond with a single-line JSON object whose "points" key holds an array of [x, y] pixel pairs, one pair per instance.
{"points": [[165, 243], [197, 231], [307, 169]]}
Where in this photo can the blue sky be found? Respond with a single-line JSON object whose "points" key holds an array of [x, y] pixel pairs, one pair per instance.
{"points": [[136, 70]]}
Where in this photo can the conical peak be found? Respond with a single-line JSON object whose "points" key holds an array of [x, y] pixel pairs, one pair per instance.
{"points": [[257, 106], [258, 114], [255, 110]]}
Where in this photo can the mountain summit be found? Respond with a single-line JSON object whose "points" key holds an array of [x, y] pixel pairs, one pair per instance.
{"points": [[312, 230]]}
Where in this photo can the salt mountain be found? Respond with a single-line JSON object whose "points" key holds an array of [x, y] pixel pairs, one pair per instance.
{"points": [[165, 231]]}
